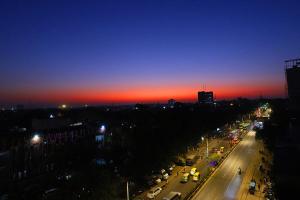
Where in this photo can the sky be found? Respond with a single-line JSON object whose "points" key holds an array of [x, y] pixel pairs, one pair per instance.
{"points": [[103, 52]]}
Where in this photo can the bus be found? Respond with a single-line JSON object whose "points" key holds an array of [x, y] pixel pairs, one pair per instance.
{"points": [[173, 196]]}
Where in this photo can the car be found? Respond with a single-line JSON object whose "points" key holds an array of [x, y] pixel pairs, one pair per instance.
{"points": [[165, 176], [185, 178], [154, 192], [196, 176], [173, 196], [193, 171], [157, 180], [221, 149], [170, 168]]}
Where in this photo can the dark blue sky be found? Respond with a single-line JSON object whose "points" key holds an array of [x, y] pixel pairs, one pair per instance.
{"points": [[120, 51]]}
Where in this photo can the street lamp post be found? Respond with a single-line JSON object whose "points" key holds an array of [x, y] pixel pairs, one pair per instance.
{"points": [[207, 148], [127, 189], [206, 145]]}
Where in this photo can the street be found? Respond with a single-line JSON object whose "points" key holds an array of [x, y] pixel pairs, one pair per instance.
{"points": [[225, 182]]}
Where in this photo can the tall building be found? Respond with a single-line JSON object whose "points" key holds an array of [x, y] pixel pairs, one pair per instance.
{"points": [[171, 103], [205, 97], [292, 72]]}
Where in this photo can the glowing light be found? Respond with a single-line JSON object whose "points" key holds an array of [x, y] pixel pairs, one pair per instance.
{"points": [[35, 139], [102, 129]]}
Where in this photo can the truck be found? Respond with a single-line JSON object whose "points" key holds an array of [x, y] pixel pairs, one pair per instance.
{"points": [[191, 159]]}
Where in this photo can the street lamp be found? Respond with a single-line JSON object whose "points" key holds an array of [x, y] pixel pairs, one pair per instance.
{"points": [[207, 148], [36, 139]]}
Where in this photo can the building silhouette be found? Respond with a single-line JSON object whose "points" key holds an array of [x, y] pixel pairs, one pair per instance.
{"points": [[171, 103], [205, 97], [292, 72]]}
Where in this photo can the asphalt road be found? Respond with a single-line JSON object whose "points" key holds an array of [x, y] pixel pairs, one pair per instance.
{"points": [[184, 188], [225, 183], [174, 183]]}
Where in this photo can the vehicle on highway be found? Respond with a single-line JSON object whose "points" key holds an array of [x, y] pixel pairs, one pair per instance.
{"points": [[185, 178], [196, 176], [173, 196], [154, 192], [190, 160], [193, 171]]}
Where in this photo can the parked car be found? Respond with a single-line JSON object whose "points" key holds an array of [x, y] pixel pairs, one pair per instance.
{"points": [[165, 176], [154, 192], [173, 196], [157, 178], [170, 168]]}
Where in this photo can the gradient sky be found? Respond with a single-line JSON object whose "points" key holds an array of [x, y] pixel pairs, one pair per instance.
{"points": [[57, 51]]}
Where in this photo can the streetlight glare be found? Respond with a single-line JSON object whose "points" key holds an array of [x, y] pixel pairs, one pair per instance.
{"points": [[35, 139]]}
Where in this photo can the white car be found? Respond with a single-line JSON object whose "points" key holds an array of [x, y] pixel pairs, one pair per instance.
{"points": [[165, 176], [154, 192], [158, 180]]}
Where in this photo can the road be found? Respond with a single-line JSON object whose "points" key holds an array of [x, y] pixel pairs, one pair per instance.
{"points": [[184, 188], [225, 183], [174, 180]]}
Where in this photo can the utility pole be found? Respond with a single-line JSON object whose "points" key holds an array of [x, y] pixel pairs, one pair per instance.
{"points": [[127, 188]]}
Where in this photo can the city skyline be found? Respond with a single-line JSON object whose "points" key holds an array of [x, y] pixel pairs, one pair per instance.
{"points": [[104, 52]]}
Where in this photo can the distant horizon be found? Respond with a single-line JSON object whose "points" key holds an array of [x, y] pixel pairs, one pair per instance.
{"points": [[8, 106]]}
